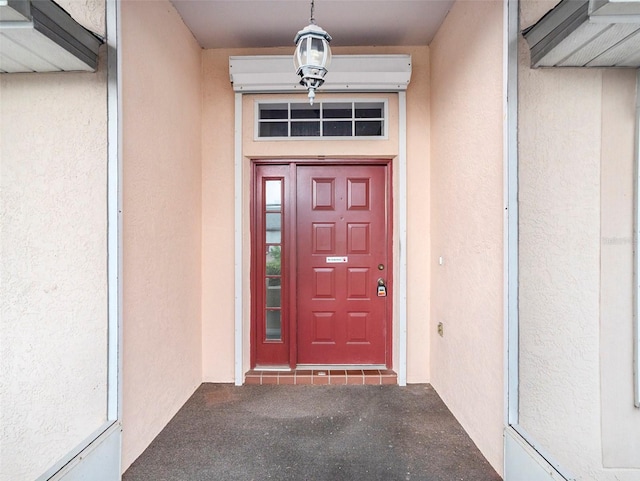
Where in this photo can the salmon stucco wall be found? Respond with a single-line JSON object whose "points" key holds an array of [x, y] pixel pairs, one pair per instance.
{"points": [[218, 203], [217, 218], [467, 220], [53, 272], [576, 134], [161, 121]]}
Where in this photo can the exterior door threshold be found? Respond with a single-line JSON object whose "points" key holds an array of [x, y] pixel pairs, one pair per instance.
{"points": [[322, 377]]}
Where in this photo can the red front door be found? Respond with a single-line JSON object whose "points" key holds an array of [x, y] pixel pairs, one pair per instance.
{"points": [[343, 274]]}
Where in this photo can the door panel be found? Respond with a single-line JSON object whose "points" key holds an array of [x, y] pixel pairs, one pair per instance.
{"points": [[341, 240]]}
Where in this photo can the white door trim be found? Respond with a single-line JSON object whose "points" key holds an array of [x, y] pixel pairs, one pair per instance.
{"points": [[238, 251], [402, 238], [636, 252]]}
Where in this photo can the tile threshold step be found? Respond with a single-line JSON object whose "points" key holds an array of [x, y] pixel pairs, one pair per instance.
{"points": [[322, 377]]}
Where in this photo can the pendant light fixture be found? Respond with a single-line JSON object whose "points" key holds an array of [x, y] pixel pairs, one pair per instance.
{"points": [[312, 56]]}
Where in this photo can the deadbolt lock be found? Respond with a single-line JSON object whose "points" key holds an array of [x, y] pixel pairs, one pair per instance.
{"points": [[380, 267]]}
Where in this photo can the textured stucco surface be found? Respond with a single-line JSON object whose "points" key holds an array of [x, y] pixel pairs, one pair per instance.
{"points": [[559, 259], [218, 201], [576, 138], [88, 13], [217, 218], [161, 92], [466, 216], [620, 419], [53, 279]]}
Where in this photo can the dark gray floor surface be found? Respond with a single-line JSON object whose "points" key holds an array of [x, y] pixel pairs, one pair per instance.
{"points": [[312, 433]]}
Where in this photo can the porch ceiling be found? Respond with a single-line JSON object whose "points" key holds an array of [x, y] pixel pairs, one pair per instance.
{"points": [[274, 23]]}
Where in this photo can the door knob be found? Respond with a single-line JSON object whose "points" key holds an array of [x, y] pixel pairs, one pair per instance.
{"points": [[381, 281]]}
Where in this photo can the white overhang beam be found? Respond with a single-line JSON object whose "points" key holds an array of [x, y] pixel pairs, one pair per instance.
{"points": [[347, 73]]}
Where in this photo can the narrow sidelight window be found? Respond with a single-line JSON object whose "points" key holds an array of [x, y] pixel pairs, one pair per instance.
{"points": [[273, 258]]}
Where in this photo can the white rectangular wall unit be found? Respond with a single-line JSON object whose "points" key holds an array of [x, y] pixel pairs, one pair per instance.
{"points": [[347, 73]]}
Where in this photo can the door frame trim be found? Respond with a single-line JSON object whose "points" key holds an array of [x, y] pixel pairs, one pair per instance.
{"points": [[402, 238], [240, 256], [291, 237]]}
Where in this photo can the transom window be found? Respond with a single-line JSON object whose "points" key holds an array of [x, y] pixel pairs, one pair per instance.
{"points": [[325, 119]]}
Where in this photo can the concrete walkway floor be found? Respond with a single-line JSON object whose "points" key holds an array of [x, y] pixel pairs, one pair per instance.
{"points": [[386, 433]]}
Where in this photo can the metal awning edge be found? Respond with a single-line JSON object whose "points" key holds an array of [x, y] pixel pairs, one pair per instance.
{"points": [[550, 39], [58, 26]]}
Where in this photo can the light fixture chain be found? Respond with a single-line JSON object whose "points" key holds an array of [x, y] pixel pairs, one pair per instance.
{"points": [[312, 19]]}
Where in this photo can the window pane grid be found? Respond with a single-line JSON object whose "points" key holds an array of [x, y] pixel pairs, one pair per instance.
{"points": [[326, 119], [273, 241]]}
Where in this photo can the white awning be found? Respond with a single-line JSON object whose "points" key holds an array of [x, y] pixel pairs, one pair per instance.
{"points": [[40, 36], [347, 73], [587, 33]]}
